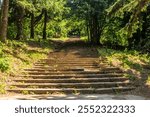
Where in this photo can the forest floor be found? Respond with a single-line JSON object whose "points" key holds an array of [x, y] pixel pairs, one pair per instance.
{"points": [[75, 46], [15, 56]]}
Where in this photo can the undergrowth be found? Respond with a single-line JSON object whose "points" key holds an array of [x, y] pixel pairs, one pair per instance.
{"points": [[16, 55], [125, 59], [130, 61], [2, 85]]}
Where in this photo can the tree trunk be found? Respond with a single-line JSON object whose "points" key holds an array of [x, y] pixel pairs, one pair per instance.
{"points": [[0, 3], [32, 26], [0, 10], [19, 22], [94, 30], [45, 24], [4, 21], [91, 29], [87, 27]]}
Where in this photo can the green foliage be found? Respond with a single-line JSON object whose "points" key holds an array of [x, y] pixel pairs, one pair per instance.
{"points": [[4, 65], [125, 59], [2, 88], [26, 4], [93, 15], [16, 55], [56, 19], [113, 22], [2, 85], [125, 20], [112, 33], [11, 31]]}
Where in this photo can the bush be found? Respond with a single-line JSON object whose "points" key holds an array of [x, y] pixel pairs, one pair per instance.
{"points": [[4, 65]]}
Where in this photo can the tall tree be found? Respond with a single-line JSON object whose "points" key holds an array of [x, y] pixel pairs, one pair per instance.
{"points": [[51, 9], [4, 20], [0, 10], [135, 7], [19, 17], [93, 13], [45, 24], [126, 24]]}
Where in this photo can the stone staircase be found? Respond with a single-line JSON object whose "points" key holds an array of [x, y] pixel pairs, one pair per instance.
{"points": [[71, 75]]}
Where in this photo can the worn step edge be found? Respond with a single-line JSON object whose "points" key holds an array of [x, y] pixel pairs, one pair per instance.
{"points": [[72, 76], [66, 64], [73, 80], [84, 72], [85, 63], [70, 85], [70, 69], [72, 61], [73, 69], [75, 58], [69, 65], [64, 67], [71, 90]]}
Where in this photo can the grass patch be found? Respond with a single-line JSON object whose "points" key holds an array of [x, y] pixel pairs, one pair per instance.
{"points": [[16, 55], [132, 62], [125, 59], [2, 86]]}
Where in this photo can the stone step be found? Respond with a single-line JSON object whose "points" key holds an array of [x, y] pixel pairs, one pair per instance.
{"points": [[70, 59], [70, 90], [62, 69], [73, 62], [65, 67], [70, 62], [66, 62], [73, 76], [73, 80], [71, 69], [70, 85], [68, 68], [70, 72]]}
